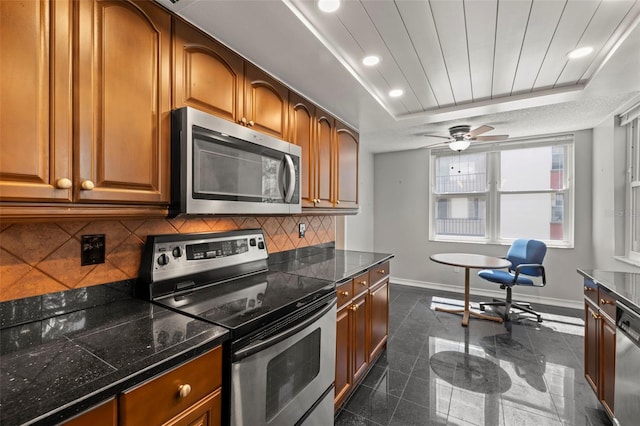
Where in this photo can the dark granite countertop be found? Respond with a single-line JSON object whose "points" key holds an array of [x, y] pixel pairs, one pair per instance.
{"points": [[62, 353], [325, 262], [624, 286]]}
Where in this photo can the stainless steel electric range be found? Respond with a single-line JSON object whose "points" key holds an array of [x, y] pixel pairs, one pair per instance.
{"points": [[281, 356]]}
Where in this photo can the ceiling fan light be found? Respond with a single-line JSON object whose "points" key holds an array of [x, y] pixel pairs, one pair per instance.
{"points": [[328, 5], [460, 145]]}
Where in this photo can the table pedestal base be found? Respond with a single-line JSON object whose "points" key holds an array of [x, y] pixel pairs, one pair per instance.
{"points": [[466, 313]]}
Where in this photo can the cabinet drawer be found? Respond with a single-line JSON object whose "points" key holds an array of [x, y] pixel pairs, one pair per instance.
{"points": [[158, 400], [607, 303], [591, 290], [345, 293], [379, 272], [361, 283], [105, 414]]}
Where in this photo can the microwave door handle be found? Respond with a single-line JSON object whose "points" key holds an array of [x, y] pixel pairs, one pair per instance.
{"points": [[292, 178]]}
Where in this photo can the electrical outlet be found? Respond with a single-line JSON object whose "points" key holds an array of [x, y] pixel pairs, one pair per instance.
{"points": [[301, 229], [92, 249]]}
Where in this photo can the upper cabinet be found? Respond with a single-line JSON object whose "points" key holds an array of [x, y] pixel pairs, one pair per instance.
{"points": [[97, 134], [207, 75], [325, 160], [347, 167], [123, 115], [210, 77], [302, 120], [35, 101]]}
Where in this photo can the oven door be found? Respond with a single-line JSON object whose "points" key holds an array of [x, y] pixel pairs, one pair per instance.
{"points": [[277, 380]]}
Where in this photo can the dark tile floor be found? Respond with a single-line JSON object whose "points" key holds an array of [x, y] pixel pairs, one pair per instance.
{"points": [[436, 372]]}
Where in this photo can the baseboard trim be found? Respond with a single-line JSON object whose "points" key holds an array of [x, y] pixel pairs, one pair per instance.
{"points": [[574, 304]]}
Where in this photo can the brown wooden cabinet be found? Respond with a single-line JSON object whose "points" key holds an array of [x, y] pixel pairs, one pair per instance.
{"points": [[302, 132], [105, 414], [210, 77], [109, 143], [600, 344], [361, 329], [324, 160], [35, 100], [347, 167], [189, 394]]}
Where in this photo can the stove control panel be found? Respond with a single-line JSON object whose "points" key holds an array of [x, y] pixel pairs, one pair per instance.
{"points": [[174, 256]]}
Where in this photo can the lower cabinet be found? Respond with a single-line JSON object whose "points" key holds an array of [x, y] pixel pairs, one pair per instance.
{"points": [[189, 394], [104, 414], [361, 327], [600, 345]]}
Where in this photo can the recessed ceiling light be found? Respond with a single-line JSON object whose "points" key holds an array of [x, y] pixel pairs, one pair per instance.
{"points": [[579, 53], [328, 5], [371, 60], [396, 93]]}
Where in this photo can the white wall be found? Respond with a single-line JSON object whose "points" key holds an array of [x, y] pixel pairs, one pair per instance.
{"points": [[401, 217], [355, 232]]}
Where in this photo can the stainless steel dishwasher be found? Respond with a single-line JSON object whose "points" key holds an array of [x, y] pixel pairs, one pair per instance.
{"points": [[626, 404]]}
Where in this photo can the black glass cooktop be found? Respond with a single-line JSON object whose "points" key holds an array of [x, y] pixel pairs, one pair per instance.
{"points": [[249, 303]]}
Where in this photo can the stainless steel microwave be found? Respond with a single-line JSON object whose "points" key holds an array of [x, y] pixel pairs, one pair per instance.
{"points": [[220, 167]]}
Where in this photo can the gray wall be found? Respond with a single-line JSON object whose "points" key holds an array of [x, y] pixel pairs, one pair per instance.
{"points": [[401, 217], [356, 232]]}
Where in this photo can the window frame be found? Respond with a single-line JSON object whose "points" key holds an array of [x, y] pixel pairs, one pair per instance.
{"points": [[631, 120], [493, 192]]}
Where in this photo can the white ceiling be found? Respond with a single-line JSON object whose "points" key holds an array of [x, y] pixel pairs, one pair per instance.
{"points": [[501, 63]]}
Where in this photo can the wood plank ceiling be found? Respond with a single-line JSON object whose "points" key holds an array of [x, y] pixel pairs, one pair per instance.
{"points": [[450, 53]]}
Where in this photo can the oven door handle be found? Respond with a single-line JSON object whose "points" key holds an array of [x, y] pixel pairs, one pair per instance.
{"points": [[275, 339]]}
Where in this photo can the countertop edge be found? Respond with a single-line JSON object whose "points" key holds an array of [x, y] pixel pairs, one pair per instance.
{"points": [[609, 288]]}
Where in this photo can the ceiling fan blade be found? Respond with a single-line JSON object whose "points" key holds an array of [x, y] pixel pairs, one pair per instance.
{"points": [[478, 131], [437, 136], [491, 138]]}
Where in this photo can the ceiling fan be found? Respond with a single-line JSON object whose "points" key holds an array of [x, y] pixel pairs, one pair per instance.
{"points": [[460, 137]]}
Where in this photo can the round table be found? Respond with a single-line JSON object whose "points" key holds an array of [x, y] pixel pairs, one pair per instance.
{"points": [[469, 261]]}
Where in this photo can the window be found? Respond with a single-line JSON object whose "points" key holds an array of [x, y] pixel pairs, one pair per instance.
{"points": [[506, 191], [631, 119]]}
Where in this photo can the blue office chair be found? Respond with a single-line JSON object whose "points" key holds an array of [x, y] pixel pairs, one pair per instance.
{"points": [[526, 258]]}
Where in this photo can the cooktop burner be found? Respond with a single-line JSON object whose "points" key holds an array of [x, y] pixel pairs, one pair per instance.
{"points": [[223, 278]]}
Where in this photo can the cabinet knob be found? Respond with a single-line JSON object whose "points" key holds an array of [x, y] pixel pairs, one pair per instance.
{"points": [[595, 316], [354, 308], [362, 283], [344, 293], [243, 121], [63, 183], [184, 390], [87, 185], [381, 271], [250, 123], [337, 201], [607, 302], [589, 288]]}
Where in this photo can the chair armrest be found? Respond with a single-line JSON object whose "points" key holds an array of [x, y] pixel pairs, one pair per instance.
{"points": [[531, 265]]}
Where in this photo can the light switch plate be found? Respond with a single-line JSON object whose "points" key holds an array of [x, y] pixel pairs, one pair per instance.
{"points": [[301, 229], [92, 249]]}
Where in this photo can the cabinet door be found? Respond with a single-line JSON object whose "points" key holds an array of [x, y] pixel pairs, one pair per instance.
{"points": [[207, 75], [608, 363], [35, 100], [206, 412], [360, 315], [123, 102], [343, 378], [302, 118], [591, 346], [379, 308], [324, 164], [347, 170], [266, 103], [105, 414]]}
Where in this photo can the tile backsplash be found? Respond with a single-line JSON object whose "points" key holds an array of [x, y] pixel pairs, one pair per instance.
{"points": [[39, 258]]}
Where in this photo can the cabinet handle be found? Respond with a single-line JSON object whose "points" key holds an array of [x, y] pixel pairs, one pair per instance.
{"points": [[243, 121], [589, 288], [595, 316], [63, 183], [87, 185], [354, 308], [381, 271], [184, 390], [337, 201], [344, 293], [250, 123], [363, 283], [607, 302]]}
